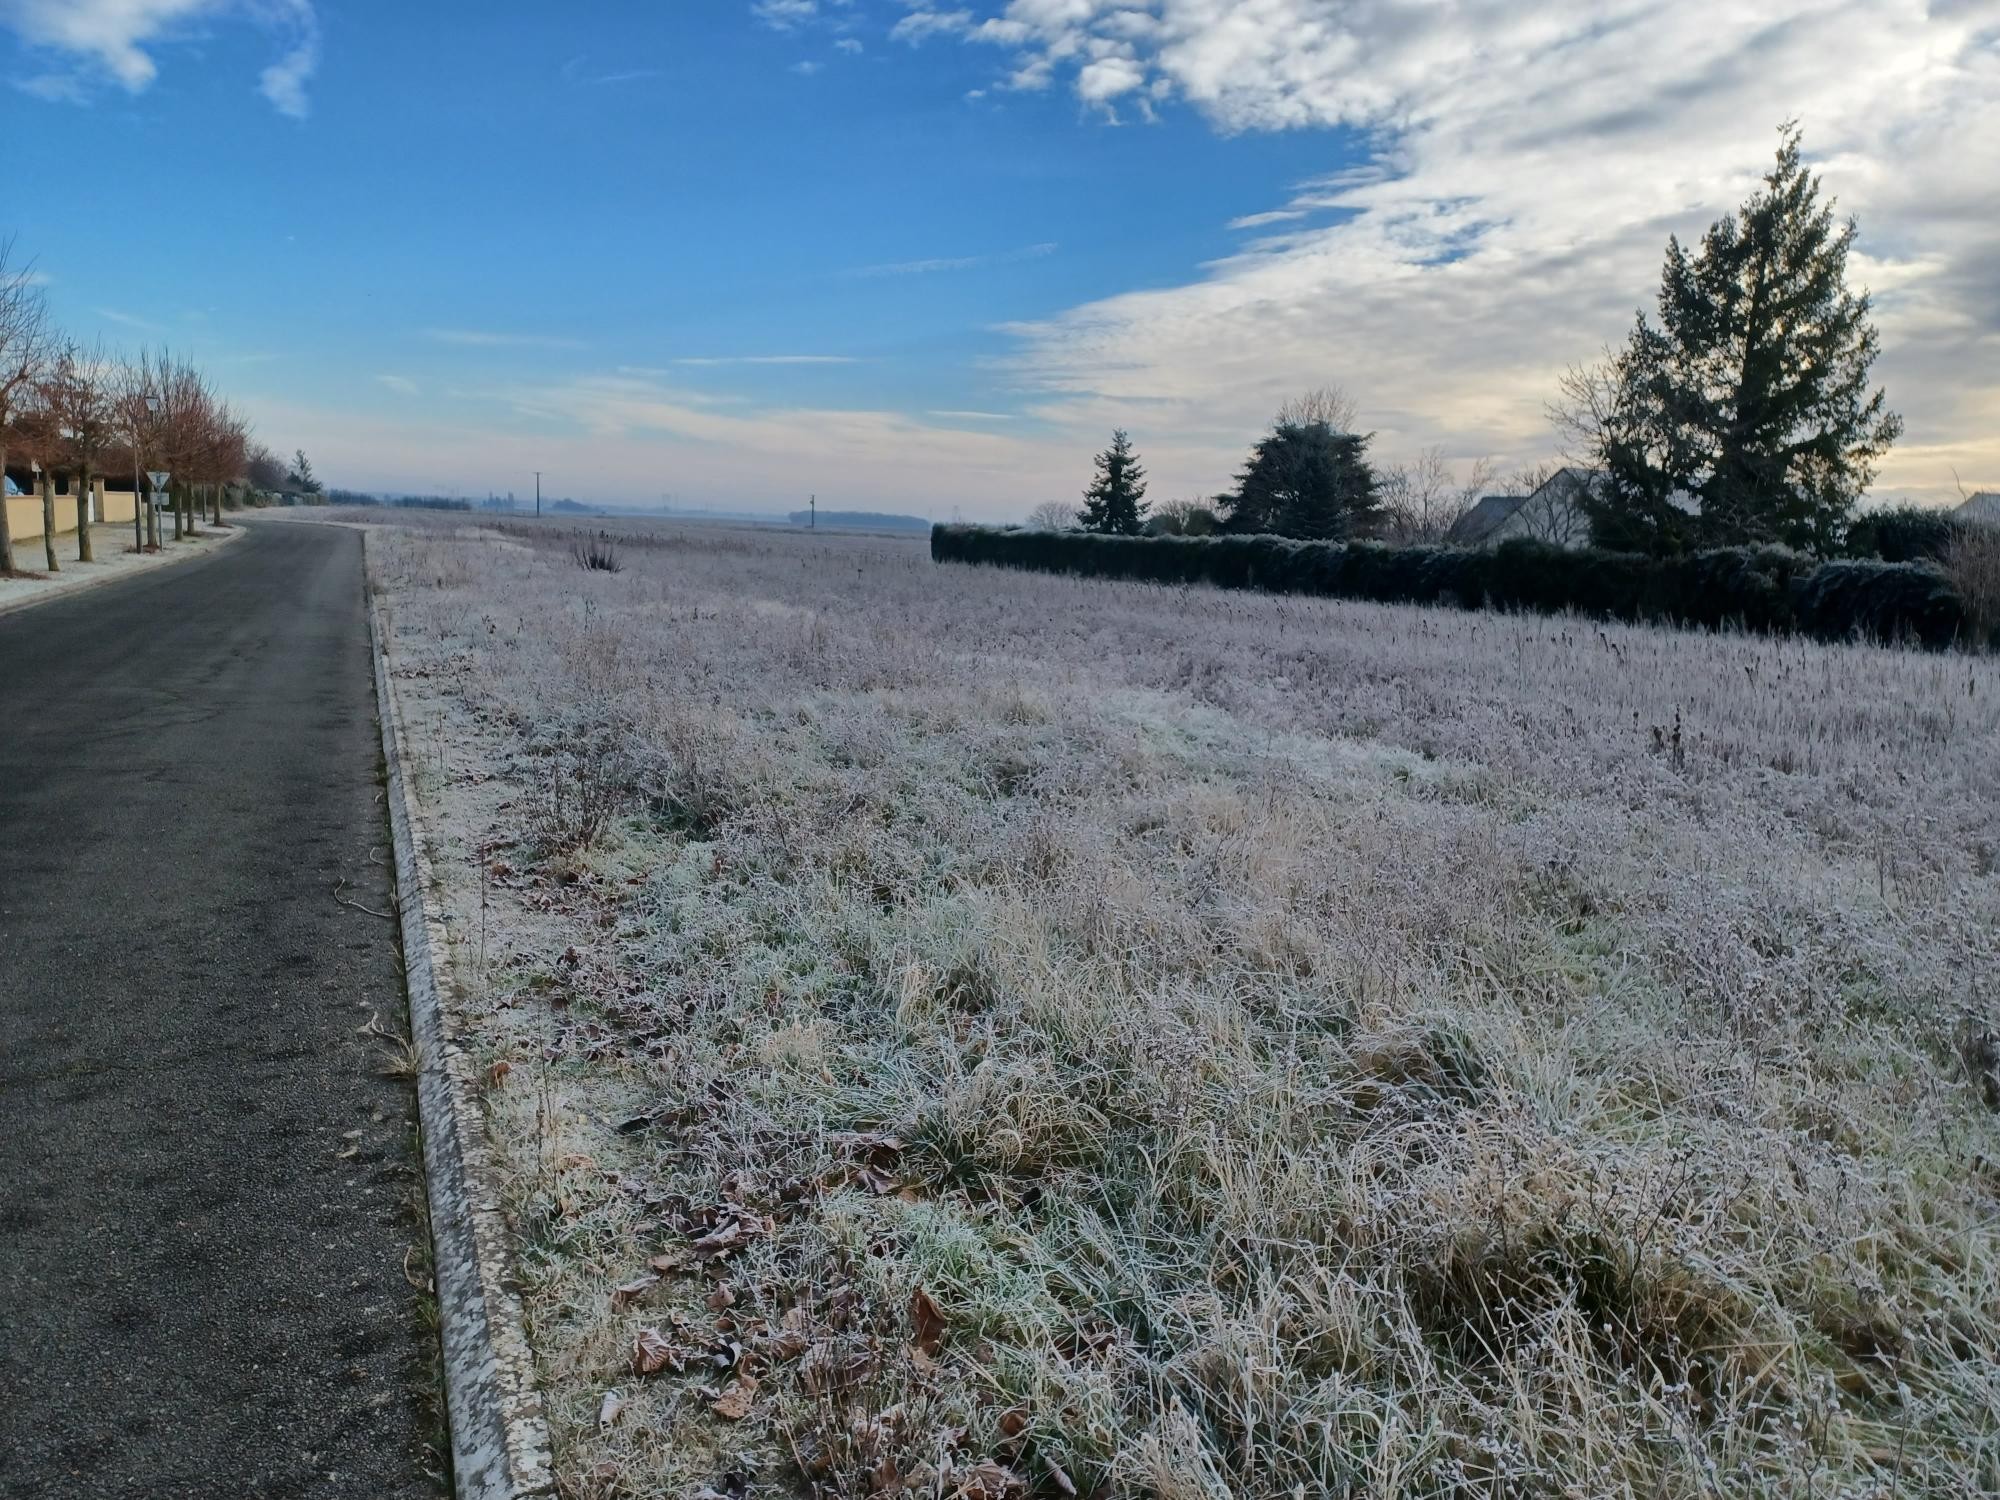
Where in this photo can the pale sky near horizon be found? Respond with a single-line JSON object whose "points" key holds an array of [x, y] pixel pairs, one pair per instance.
{"points": [[924, 256]]}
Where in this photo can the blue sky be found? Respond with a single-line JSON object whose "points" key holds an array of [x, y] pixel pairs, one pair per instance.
{"points": [[924, 257]]}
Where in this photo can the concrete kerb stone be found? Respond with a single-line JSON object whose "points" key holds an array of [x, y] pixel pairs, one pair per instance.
{"points": [[499, 1431]]}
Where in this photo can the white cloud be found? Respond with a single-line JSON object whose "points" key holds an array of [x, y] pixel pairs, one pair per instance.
{"points": [[806, 67], [479, 338], [785, 15], [1530, 162], [768, 359], [936, 263], [849, 45], [117, 37], [402, 385]]}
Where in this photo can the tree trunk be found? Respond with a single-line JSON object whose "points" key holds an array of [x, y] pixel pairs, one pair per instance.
{"points": [[174, 493], [84, 551], [49, 520], [138, 516], [6, 531]]}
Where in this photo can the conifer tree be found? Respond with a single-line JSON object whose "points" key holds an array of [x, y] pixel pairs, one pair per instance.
{"points": [[1751, 397], [1116, 500], [1306, 480]]}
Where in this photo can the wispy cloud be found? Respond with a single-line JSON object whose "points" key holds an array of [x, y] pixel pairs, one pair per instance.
{"points": [[971, 416], [478, 338], [402, 385], [1529, 165], [768, 359], [785, 15], [576, 70], [118, 38], [938, 263], [807, 67], [129, 320]]}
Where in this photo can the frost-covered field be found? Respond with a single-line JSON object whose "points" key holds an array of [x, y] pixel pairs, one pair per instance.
{"points": [[995, 1034]]}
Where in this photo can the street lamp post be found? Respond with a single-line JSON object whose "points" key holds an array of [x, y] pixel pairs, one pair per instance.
{"points": [[538, 492]]}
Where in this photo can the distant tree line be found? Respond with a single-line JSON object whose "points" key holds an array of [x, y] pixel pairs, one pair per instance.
{"points": [[1742, 414]]}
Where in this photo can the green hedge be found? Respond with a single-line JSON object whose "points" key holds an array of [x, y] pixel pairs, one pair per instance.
{"points": [[1753, 588]]}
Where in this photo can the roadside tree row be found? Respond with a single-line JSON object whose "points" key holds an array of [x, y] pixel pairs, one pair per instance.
{"points": [[76, 409]]}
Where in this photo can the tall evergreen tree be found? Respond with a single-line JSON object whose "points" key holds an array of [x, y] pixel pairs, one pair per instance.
{"points": [[1306, 480], [1116, 499], [1751, 397]]}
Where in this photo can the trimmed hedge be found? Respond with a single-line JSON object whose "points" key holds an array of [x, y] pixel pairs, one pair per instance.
{"points": [[1749, 588]]}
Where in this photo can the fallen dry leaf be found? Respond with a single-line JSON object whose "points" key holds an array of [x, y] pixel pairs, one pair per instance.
{"points": [[497, 1072], [926, 1322], [632, 1290], [651, 1353], [733, 1405], [1014, 1422], [989, 1481], [667, 1263], [723, 1296]]}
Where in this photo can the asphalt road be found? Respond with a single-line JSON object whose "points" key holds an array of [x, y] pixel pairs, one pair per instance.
{"points": [[205, 1178]]}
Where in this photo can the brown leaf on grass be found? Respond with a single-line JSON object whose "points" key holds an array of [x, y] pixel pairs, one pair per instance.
{"points": [[633, 1290], [732, 1232], [734, 1404], [926, 1323], [1014, 1422], [609, 1408], [723, 1296], [651, 1353], [497, 1073], [988, 1480], [788, 1343], [668, 1263]]}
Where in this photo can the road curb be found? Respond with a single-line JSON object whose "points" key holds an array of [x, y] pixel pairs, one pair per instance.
{"points": [[49, 596], [499, 1432]]}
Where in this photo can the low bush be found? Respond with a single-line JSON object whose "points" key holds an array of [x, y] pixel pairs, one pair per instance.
{"points": [[1748, 588], [1903, 533]]}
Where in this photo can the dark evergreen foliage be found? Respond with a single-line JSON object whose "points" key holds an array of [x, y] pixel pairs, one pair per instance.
{"points": [[1904, 533], [1115, 503], [1751, 588], [1752, 394], [1305, 480]]}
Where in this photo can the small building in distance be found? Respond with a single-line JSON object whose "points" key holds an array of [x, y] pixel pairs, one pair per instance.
{"points": [[1553, 513], [1984, 508]]}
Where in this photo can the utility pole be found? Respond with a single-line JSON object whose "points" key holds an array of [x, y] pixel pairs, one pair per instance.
{"points": [[538, 492], [812, 513]]}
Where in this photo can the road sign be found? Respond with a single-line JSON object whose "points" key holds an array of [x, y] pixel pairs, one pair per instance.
{"points": [[160, 477]]}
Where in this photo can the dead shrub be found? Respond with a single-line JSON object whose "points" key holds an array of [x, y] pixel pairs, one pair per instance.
{"points": [[596, 554], [1972, 562]]}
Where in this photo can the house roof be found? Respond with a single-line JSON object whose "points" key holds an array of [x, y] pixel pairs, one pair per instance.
{"points": [[1485, 517], [1984, 506]]}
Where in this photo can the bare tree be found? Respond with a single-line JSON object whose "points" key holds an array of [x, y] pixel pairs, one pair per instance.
{"points": [[266, 471], [77, 396], [187, 408], [24, 351], [1329, 405], [1184, 517], [1424, 499], [1053, 515], [137, 402]]}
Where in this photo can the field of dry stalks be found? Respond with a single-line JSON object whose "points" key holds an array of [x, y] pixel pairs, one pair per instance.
{"points": [[964, 1033]]}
